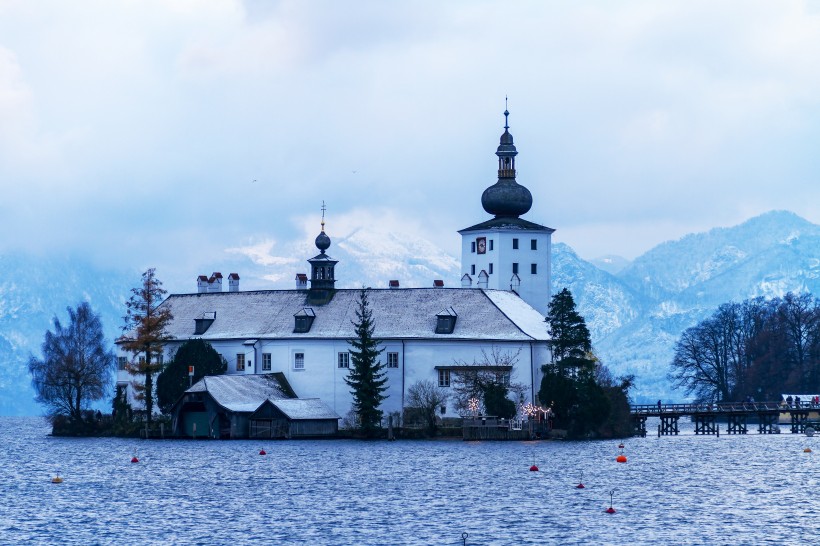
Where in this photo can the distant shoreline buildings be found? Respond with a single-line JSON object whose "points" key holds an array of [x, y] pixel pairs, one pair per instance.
{"points": [[301, 335]]}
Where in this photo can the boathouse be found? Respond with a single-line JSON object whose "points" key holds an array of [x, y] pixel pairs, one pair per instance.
{"points": [[243, 406]]}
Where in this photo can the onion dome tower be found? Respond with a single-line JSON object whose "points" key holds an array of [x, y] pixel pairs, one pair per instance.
{"points": [[322, 266], [506, 198], [508, 252]]}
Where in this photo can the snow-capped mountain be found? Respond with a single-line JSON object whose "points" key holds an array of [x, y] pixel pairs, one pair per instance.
{"points": [[679, 283], [635, 311]]}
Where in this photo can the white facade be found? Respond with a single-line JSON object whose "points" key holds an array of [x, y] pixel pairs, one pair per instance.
{"points": [[405, 321], [508, 251]]}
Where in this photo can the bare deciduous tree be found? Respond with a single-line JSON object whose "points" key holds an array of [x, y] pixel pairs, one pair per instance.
{"points": [[426, 397], [76, 367]]}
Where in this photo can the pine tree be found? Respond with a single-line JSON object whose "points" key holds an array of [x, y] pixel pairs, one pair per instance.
{"points": [[367, 378], [145, 335]]}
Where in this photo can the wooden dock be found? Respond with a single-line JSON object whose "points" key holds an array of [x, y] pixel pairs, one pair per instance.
{"points": [[737, 415]]}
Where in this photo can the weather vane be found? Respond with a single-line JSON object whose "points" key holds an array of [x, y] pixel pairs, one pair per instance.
{"points": [[323, 214]]}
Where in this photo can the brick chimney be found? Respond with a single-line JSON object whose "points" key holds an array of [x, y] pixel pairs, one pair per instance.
{"points": [[393, 284], [438, 283]]}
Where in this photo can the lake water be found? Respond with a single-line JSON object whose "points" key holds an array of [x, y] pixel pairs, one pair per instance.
{"points": [[673, 490]]}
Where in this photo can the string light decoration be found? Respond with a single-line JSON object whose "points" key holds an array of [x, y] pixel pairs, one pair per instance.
{"points": [[472, 405]]}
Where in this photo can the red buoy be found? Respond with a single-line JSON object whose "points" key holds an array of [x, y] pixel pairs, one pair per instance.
{"points": [[134, 459], [533, 468], [610, 510], [620, 446], [262, 452], [621, 458], [580, 486]]}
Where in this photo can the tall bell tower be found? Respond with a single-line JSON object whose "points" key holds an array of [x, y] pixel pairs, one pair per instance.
{"points": [[507, 252]]}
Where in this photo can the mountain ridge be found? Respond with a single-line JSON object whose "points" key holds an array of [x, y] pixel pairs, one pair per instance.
{"points": [[635, 313]]}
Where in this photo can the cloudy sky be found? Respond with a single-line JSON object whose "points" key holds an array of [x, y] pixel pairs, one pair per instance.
{"points": [[172, 133]]}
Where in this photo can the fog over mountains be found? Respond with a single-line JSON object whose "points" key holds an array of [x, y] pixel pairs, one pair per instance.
{"points": [[635, 311]]}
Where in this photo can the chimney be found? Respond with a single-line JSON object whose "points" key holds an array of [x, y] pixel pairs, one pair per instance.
{"points": [[233, 282], [466, 281], [301, 281], [393, 284], [483, 279], [438, 283], [215, 282], [202, 284]]}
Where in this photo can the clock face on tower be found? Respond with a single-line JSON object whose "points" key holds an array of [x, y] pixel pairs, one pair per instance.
{"points": [[481, 245]]}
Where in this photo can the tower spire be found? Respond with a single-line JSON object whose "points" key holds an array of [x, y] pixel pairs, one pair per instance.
{"points": [[506, 198], [323, 215]]}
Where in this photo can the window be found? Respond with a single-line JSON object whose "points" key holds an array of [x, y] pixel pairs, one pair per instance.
{"points": [[515, 244], [298, 361], [472, 269], [240, 362], [444, 378], [472, 247], [491, 269], [515, 268], [142, 360], [160, 359], [392, 360], [534, 269], [491, 244], [265, 362], [344, 360], [122, 362], [503, 378], [534, 244]]}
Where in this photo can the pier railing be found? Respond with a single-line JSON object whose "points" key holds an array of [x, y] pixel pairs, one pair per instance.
{"points": [[722, 407]]}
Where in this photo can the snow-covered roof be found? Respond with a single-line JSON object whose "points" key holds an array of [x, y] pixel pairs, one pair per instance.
{"points": [[241, 393], [528, 319], [409, 313], [305, 408]]}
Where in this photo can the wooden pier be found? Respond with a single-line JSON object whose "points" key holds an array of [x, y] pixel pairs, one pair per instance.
{"points": [[708, 417]]}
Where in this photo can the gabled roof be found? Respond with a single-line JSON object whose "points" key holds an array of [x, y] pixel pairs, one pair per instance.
{"points": [[244, 393], [305, 408], [403, 313]]}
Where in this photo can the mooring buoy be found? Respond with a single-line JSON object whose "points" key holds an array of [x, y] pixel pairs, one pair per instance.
{"points": [[533, 468]]}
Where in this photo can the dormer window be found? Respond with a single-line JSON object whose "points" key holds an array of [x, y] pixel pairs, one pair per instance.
{"points": [[204, 322], [446, 321], [303, 320]]}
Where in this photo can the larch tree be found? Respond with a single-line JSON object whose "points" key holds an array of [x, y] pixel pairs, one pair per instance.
{"points": [[76, 367], [145, 335], [367, 378]]}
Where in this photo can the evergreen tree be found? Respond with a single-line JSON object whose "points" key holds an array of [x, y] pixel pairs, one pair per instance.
{"points": [[572, 383], [570, 339], [76, 366], [367, 378], [145, 335], [174, 379]]}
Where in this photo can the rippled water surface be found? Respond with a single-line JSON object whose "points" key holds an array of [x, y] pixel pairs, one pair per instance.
{"points": [[673, 490]]}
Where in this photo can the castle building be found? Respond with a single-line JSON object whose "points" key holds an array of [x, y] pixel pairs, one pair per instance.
{"points": [[301, 335]]}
